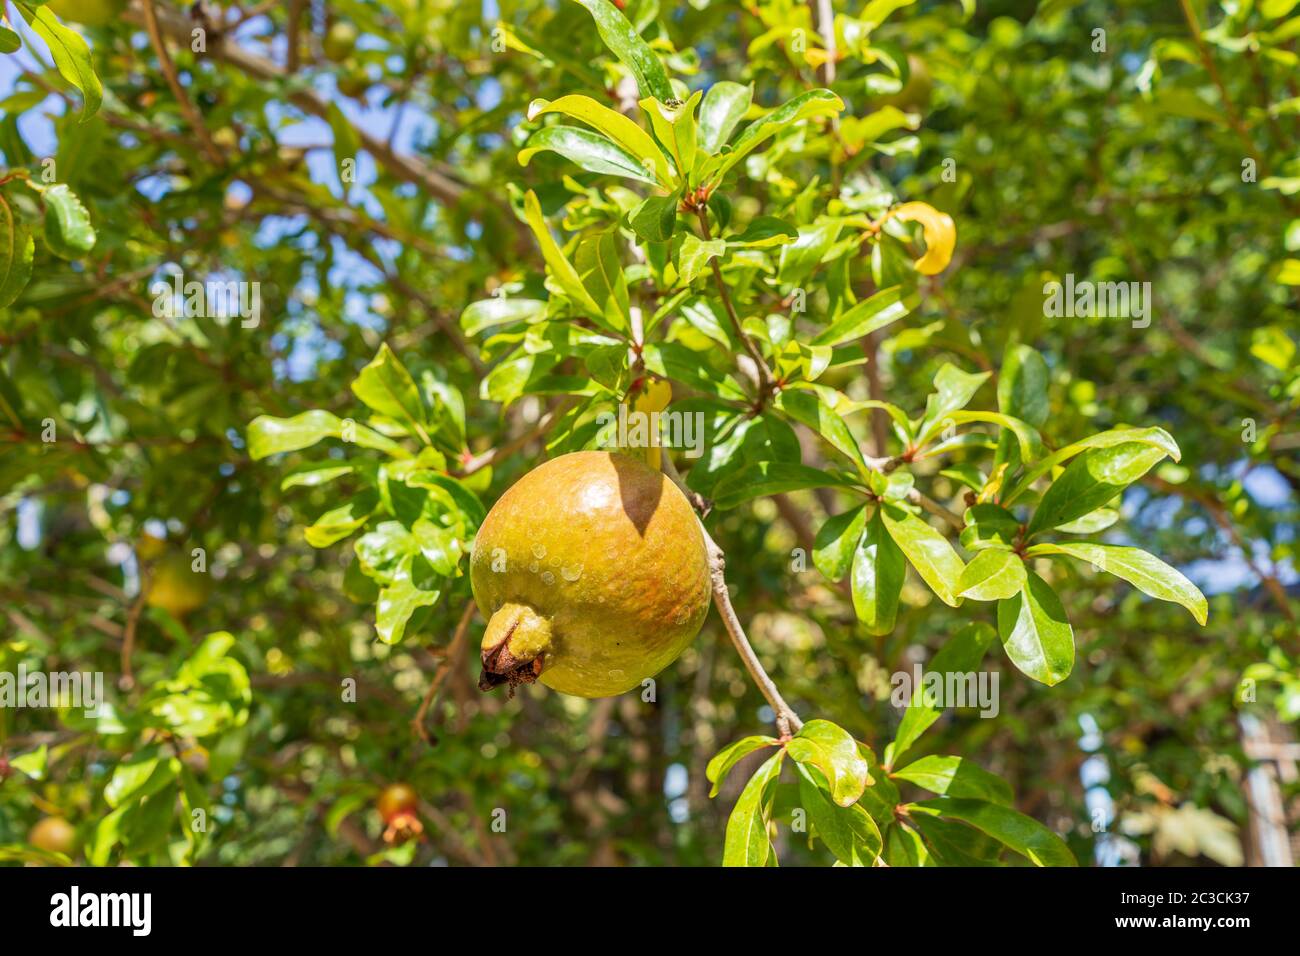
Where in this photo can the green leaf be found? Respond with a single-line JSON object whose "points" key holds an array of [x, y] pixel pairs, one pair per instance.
{"points": [[315, 473], [1092, 480], [1036, 633], [953, 390], [730, 755], [337, 523], [989, 525], [1092, 522], [834, 752], [955, 777], [747, 842], [837, 542], [724, 105], [962, 654], [1022, 386], [387, 387], [9, 41], [71, 55], [695, 255], [34, 763], [992, 576], [884, 308], [589, 150], [598, 266], [16, 252], [1155, 437], [1027, 438], [1014, 830], [800, 258], [557, 263], [848, 832], [486, 313], [1144, 571], [398, 601], [674, 126], [927, 550], [769, 478], [878, 575], [268, 436], [805, 105], [654, 219], [629, 137], [764, 232], [807, 407], [68, 232], [625, 43]]}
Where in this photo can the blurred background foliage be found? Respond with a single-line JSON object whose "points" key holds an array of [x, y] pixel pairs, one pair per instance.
{"points": [[1167, 154]]}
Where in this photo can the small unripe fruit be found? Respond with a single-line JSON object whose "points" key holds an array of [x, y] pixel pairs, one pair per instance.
{"points": [[396, 805], [54, 835], [340, 41]]}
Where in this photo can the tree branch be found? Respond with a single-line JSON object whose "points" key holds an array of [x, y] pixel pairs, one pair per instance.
{"points": [[786, 719]]}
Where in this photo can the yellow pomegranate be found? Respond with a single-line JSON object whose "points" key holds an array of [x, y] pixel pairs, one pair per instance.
{"points": [[594, 574]]}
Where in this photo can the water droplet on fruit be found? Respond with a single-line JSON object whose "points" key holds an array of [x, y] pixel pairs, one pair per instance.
{"points": [[571, 572], [548, 577], [533, 567], [539, 551]]}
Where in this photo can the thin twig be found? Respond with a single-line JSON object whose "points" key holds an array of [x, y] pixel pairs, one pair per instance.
{"points": [[178, 91], [761, 370], [450, 662], [786, 719]]}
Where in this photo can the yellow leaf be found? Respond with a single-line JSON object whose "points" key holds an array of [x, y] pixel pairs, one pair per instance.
{"points": [[940, 234]]}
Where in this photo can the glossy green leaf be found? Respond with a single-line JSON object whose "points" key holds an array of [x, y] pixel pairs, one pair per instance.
{"points": [[1022, 386], [387, 387], [747, 842], [625, 43], [723, 107], [808, 408], [16, 252], [992, 576], [834, 752], [398, 601], [1036, 633], [876, 312], [1144, 571], [726, 759], [591, 151], [1013, 829], [1092, 480], [927, 551], [837, 542], [848, 832], [956, 777], [269, 436], [878, 575], [557, 263], [487, 313], [1155, 437], [68, 232], [654, 219], [804, 106], [989, 525], [70, 53], [629, 137], [953, 390]]}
